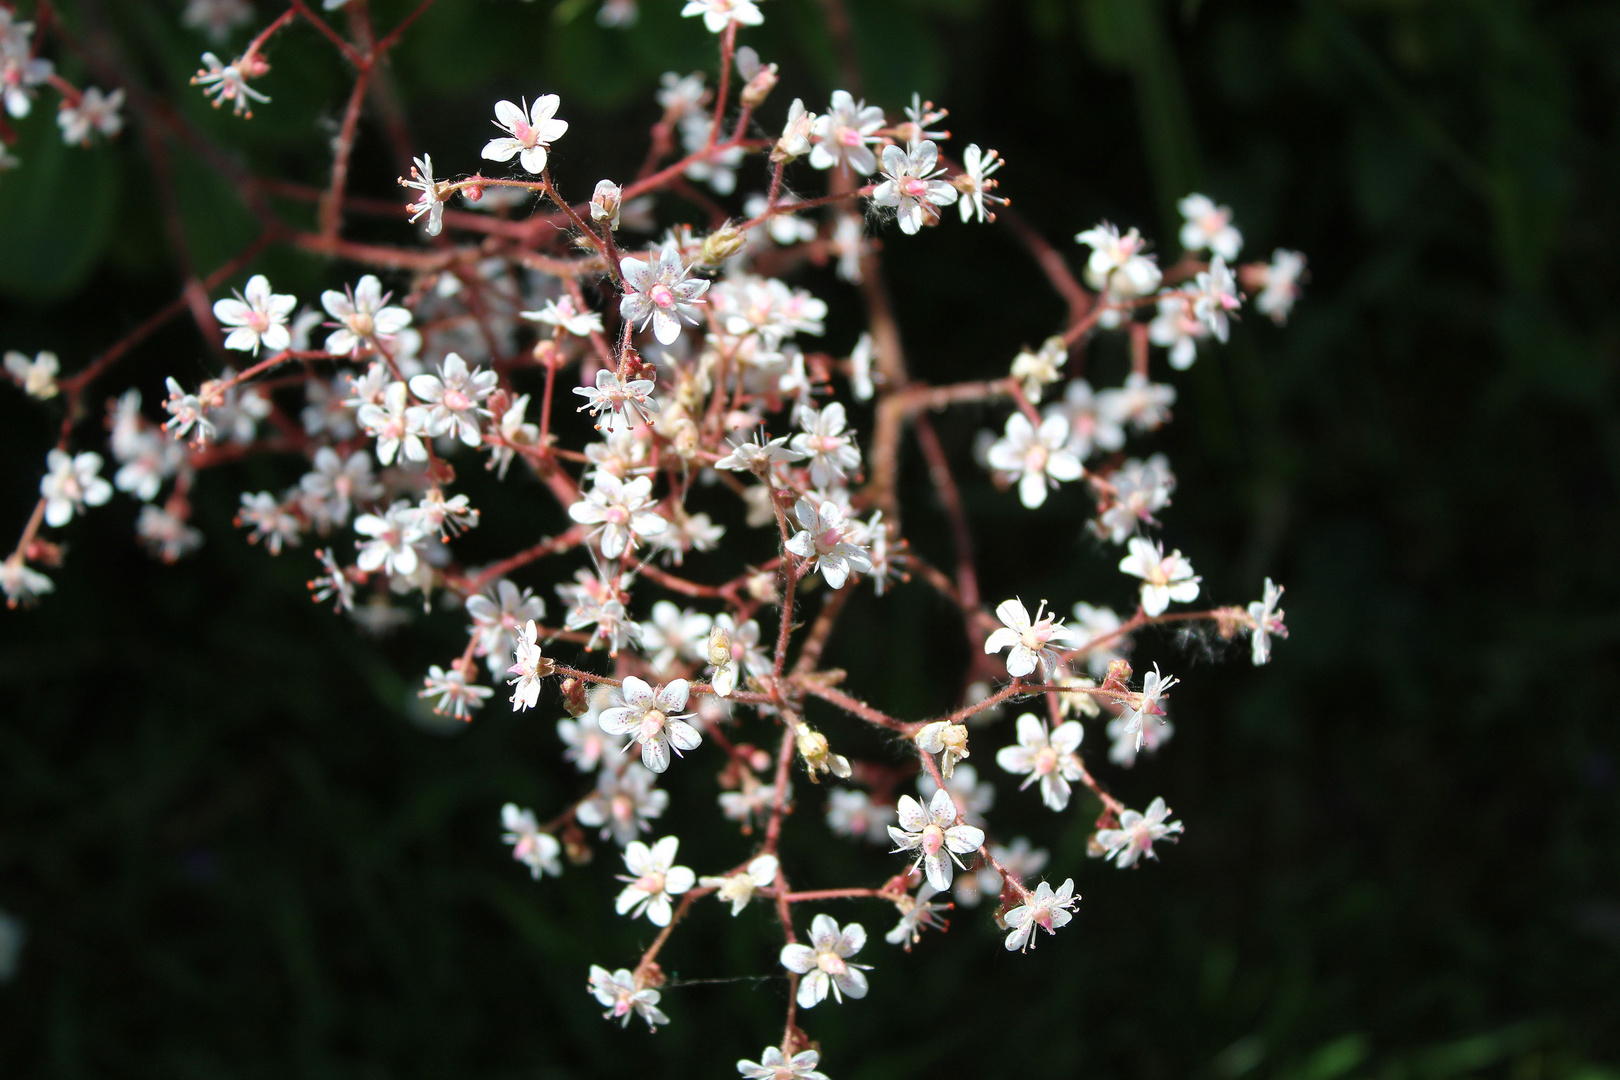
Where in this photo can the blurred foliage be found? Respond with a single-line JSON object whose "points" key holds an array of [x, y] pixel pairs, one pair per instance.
{"points": [[241, 850]]}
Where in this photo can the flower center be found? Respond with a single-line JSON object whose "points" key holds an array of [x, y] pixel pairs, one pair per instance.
{"points": [[850, 137], [915, 188], [1046, 760], [454, 399], [1035, 458], [651, 883], [933, 839], [616, 515], [832, 964], [362, 324], [652, 723], [661, 295], [258, 321], [830, 539]]}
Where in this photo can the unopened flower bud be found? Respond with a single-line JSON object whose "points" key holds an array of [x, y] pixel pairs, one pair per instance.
{"points": [[759, 87], [721, 245], [1119, 675], [573, 691], [605, 203], [719, 646], [762, 587], [472, 193], [818, 756]]}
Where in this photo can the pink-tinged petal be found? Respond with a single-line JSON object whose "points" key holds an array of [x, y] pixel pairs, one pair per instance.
{"points": [[813, 989], [672, 697], [1055, 791], [543, 108], [533, 159], [942, 808], [508, 115], [1016, 759], [637, 694], [823, 932], [800, 958], [1003, 638], [655, 754], [1020, 661], [913, 818], [684, 735], [903, 840], [231, 311], [1014, 614], [1066, 739], [1032, 732], [853, 983], [964, 838], [852, 940]]}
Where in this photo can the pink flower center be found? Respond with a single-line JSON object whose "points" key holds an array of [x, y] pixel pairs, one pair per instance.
{"points": [[914, 187], [832, 964], [1046, 760], [651, 883], [830, 539], [1035, 458], [662, 295], [850, 137], [454, 399], [616, 515], [933, 839], [525, 134], [258, 321], [652, 724]]}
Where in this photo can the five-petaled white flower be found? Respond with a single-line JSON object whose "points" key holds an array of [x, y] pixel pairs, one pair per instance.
{"points": [[911, 184], [454, 398], [934, 835], [93, 113], [622, 510], [434, 194], [1215, 294], [394, 538], [660, 293], [829, 540], [1030, 640], [1044, 908], [257, 316], [530, 134], [222, 82], [1279, 284], [1133, 718], [774, 1065], [1164, 577], [529, 666], [1136, 834], [1049, 758], [654, 878], [653, 719], [37, 377], [824, 963], [1038, 457], [842, 135], [1118, 263], [739, 888], [1268, 620], [757, 455], [626, 401], [364, 318], [396, 425], [72, 483], [832, 451], [624, 803], [975, 184], [565, 316], [946, 739], [718, 14], [622, 993], [456, 695], [535, 849], [498, 616], [1209, 226]]}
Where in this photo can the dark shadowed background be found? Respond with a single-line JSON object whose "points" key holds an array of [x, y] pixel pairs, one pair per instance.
{"points": [[239, 852]]}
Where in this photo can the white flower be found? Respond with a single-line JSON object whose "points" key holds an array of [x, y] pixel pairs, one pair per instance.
{"points": [[1164, 577], [623, 511], [660, 293], [1030, 641], [1144, 404], [259, 317], [72, 482], [1178, 329], [94, 112], [217, 18], [654, 878], [1140, 489], [165, 535], [394, 539], [852, 813], [272, 521], [824, 963], [529, 666], [828, 540], [1051, 759], [606, 204], [1092, 624], [531, 847], [364, 319], [933, 834], [758, 456], [916, 913], [1136, 834], [1215, 294], [975, 184], [1021, 862], [1045, 909], [911, 185], [335, 484], [433, 192], [624, 400], [498, 615], [21, 584], [842, 136], [1039, 458], [624, 803], [1280, 285], [796, 133], [672, 634], [653, 719], [1090, 428], [1133, 718], [224, 82], [718, 14], [1268, 620], [454, 398], [733, 650], [37, 377], [621, 993], [562, 313], [1039, 369], [1118, 264], [529, 135], [832, 451], [20, 69], [1209, 226], [456, 695], [737, 889], [774, 1065], [395, 425], [947, 739], [1131, 735]]}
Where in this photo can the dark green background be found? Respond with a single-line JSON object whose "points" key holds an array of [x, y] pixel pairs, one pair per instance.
{"points": [[237, 855]]}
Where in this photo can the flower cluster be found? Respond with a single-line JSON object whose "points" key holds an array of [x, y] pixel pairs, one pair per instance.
{"points": [[721, 404]]}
